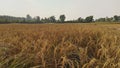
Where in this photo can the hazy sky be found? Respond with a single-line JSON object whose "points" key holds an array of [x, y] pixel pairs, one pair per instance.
{"points": [[71, 8]]}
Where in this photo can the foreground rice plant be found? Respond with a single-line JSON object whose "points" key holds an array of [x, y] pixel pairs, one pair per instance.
{"points": [[60, 46]]}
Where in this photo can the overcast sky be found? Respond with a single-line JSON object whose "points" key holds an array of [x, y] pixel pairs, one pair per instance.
{"points": [[71, 8]]}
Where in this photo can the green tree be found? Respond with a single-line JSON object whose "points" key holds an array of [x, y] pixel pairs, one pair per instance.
{"points": [[100, 20], [52, 19], [116, 18], [37, 19], [28, 18], [62, 18], [80, 20], [89, 19]]}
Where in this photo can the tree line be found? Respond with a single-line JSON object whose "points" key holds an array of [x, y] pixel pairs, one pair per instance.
{"points": [[52, 19]]}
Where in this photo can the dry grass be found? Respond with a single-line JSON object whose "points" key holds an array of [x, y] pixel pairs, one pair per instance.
{"points": [[60, 46]]}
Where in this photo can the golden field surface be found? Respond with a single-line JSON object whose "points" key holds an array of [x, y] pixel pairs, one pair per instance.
{"points": [[60, 46]]}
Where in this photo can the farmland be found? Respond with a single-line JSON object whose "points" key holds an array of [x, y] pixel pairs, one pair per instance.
{"points": [[60, 45]]}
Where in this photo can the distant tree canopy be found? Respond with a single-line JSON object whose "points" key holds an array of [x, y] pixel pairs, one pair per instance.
{"points": [[37, 19], [80, 19], [62, 18], [28, 17], [89, 19], [116, 18], [52, 19], [109, 19]]}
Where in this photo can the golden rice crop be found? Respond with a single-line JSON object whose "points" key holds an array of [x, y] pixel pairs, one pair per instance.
{"points": [[59, 46]]}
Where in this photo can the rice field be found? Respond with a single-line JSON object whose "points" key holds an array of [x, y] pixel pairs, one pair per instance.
{"points": [[60, 45]]}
